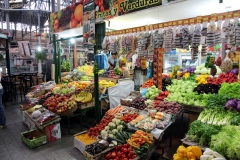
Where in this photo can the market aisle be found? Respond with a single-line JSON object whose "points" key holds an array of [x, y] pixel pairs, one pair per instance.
{"points": [[12, 148]]}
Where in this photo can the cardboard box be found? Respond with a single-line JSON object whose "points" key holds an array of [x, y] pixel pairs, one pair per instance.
{"points": [[79, 144], [53, 132], [33, 138], [26, 119]]}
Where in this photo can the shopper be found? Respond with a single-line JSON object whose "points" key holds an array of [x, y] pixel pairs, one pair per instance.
{"points": [[2, 112], [113, 59]]}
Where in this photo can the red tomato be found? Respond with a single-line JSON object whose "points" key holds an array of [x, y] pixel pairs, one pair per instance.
{"points": [[108, 156], [134, 156], [124, 156], [113, 155], [125, 159], [129, 149], [125, 145], [132, 153], [119, 153], [101, 8], [124, 150]]}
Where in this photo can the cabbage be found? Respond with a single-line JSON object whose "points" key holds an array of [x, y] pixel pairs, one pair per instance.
{"points": [[231, 104], [197, 71], [204, 71]]}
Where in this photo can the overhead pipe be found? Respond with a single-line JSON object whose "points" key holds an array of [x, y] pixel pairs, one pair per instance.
{"points": [[25, 10]]}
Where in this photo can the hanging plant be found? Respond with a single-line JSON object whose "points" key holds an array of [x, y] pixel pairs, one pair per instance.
{"points": [[40, 55], [66, 66]]}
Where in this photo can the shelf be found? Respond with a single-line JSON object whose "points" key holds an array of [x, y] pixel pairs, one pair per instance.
{"points": [[23, 66]]}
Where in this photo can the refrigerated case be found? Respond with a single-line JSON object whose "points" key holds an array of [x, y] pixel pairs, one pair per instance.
{"points": [[182, 59]]}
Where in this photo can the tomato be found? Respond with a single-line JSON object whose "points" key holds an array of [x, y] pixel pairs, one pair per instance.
{"points": [[125, 159], [132, 153], [119, 153], [108, 156], [129, 155], [134, 156], [113, 155], [124, 150], [129, 149], [125, 145], [124, 156]]}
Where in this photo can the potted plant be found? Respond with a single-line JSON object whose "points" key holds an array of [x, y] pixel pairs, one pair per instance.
{"points": [[40, 56]]}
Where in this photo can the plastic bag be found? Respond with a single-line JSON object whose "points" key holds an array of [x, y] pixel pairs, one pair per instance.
{"points": [[226, 65]]}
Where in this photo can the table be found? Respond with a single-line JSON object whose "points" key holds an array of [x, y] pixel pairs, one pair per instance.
{"points": [[27, 75]]}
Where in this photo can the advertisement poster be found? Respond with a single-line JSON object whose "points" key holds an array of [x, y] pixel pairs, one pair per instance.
{"points": [[67, 18], [106, 9], [89, 23]]}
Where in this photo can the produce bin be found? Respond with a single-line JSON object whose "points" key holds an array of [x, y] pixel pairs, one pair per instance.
{"points": [[79, 144], [33, 138], [131, 97]]}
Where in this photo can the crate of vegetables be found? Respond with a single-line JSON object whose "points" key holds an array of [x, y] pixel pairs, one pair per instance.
{"points": [[81, 140], [96, 151]]}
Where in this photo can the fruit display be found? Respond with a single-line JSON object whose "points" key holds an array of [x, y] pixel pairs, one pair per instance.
{"points": [[82, 97], [94, 131], [65, 105], [139, 103], [105, 83], [51, 102], [87, 69], [64, 89], [152, 92], [124, 152], [140, 141], [189, 153], [148, 83], [161, 95], [169, 107], [79, 85], [118, 71], [85, 138], [223, 77], [43, 98]]}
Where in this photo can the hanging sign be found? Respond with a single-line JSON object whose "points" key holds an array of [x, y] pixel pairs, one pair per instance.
{"points": [[67, 18], [106, 9]]}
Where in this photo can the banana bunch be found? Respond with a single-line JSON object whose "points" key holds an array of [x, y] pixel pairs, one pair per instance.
{"points": [[83, 97]]}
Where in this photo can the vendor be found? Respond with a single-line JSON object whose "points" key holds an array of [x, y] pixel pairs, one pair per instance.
{"points": [[113, 60]]}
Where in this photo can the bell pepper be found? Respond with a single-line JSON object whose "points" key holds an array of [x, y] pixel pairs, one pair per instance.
{"points": [[181, 151]]}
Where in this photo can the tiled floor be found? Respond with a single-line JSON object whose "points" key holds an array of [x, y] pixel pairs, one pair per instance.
{"points": [[12, 148]]}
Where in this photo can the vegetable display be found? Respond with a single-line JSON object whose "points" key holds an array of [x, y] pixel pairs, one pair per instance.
{"points": [[202, 79], [181, 86], [152, 92], [210, 154], [124, 152], [226, 142], [201, 132], [148, 83], [223, 77], [169, 107], [231, 90], [219, 117], [85, 138], [139, 103], [217, 101], [166, 82], [189, 153], [140, 141], [207, 88], [95, 148], [94, 131], [113, 111], [128, 117]]}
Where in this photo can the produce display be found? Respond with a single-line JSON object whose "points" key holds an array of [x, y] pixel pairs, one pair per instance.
{"points": [[162, 95], [207, 88], [113, 111], [129, 117], [105, 83], [94, 131], [139, 103], [67, 104], [166, 82], [232, 105], [88, 70], [52, 102], [82, 97], [152, 92], [223, 77], [140, 141], [201, 132], [219, 117], [210, 154], [63, 89], [203, 70], [169, 107], [217, 101], [79, 85], [231, 90], [226, 142], [124, 152], [96, 148], [181, 86], [148, 83], [85, 138], [202, 79], [189, 153]]}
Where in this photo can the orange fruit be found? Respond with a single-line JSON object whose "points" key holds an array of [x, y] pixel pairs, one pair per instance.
{"points": [[78, 13]]}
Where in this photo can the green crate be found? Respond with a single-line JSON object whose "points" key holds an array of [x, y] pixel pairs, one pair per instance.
{"points": [[34, 138]]}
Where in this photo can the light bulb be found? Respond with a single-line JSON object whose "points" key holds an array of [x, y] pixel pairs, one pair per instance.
{"points": [[72, 40], [39, 48]]}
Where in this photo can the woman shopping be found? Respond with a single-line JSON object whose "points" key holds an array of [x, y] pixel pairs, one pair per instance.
{"points": [[2, 111]]}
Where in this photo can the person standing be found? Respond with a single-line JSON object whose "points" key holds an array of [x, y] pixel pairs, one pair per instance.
{"points": [[2, 111]]}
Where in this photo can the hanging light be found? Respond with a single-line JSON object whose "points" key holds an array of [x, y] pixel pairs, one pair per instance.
{"points": [[39, 48], [72, 40]]}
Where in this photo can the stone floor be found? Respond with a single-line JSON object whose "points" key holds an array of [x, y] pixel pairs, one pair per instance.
{"points": [[12, 148]]}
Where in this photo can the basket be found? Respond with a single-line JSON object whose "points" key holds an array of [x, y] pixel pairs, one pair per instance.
{"points": [[68, 112], [133, 95]]}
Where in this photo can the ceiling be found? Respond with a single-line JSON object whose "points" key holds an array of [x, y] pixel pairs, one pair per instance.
{"points": [[175, 11]]}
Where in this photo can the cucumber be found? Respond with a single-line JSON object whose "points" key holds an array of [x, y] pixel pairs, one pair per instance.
{"points": [[125, 135], [130, 130], [118, 140], [120, 137]]}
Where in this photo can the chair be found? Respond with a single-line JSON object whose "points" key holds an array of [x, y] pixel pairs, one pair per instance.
{"points": [[28, 77], [17, 86]]}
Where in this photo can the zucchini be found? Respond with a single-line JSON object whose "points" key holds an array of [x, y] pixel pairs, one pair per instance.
{"points": [[125, 135], [120, 137], [130, 130], [118, 140]]}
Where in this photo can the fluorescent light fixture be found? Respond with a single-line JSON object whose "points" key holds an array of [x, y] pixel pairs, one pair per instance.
{"points": [[72, 40], [39, 48]]}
